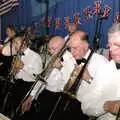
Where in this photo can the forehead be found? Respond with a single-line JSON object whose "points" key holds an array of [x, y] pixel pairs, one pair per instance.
{"points": [[76, 39], [54, 42], [8, 29], [114, 37]]}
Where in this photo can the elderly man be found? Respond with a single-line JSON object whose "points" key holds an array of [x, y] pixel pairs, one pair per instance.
{"points": [[80, 48], [103, 96]]}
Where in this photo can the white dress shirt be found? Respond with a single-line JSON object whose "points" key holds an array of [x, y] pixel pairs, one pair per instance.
{"points": [[58, 79], [105, 87], [32, 66], [94, 64]]}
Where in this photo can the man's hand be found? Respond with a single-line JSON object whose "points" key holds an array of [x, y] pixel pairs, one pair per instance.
{"points": [[112, 106], [86, 75], [18, 65], [27, 104], [57, 63]]}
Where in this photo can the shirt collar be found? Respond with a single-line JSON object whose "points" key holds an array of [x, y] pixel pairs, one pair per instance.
{"points": [[26, 50], [87, 54]]}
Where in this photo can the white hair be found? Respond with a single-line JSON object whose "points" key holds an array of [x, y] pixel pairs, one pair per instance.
{"points": [[115, 28]]}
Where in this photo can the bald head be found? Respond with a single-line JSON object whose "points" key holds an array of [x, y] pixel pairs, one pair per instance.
{"points": [[78, 44], [55, 44]]}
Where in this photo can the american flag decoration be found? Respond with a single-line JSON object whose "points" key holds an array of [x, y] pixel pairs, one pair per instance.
{"points": [[77, 18], [58, 23], [106, 11], [87, 13], [7, 5], [117, 18], [97, 7], [67, 21]]}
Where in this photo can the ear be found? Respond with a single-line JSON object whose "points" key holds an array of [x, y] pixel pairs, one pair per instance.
{"points": [[86, 46]]}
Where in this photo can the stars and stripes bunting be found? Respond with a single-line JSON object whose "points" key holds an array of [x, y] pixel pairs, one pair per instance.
{"points": [[7, 5]]}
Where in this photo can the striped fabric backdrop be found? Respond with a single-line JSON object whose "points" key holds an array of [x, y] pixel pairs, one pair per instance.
{"points": [[7, 5]]}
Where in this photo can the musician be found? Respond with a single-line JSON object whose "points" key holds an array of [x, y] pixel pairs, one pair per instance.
{"points": [[80, 48], [24, 68], [103, 97]]}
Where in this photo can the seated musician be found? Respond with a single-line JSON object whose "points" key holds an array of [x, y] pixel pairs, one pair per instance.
{"points": [[103, 97], [26, 64]]}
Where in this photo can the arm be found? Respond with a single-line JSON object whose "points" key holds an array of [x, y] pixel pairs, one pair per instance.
{"points": [[112, 106], [38, 88], [93, 101]]}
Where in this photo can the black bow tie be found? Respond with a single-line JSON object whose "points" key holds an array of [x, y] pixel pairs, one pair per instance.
{"points": [[117, 65], [79, 61]]}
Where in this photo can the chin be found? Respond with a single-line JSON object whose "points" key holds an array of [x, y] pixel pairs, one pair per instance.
{"points": [[117, 61], [77, 58]]}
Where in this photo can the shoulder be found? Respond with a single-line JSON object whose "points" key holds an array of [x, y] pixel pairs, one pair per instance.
{"points": [[33, 54], [99, 58]]}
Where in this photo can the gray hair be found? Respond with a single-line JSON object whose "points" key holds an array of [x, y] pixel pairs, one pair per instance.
{"points": [[115, 28]]}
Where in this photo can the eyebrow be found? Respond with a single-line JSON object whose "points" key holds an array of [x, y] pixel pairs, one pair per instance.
{"points": [[117, 44]]}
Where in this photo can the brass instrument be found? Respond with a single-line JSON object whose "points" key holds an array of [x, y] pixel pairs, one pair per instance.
{"points": [[72, 86], [17, 58], [47, 70], [72, 79], [12, 72]]}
